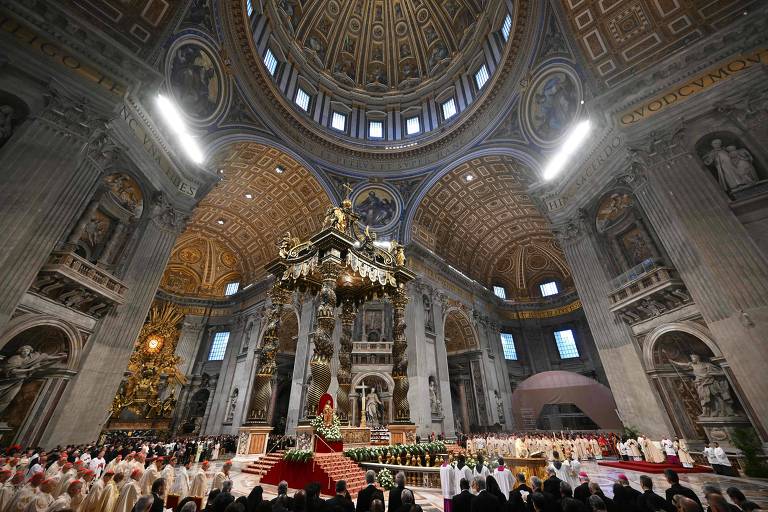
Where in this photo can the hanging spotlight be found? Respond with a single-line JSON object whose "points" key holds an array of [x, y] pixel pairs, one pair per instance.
{"points": [[572, 143]]}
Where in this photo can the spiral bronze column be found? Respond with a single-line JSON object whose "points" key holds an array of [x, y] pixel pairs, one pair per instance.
{"points": [[344, 374], [400, 359], [262, 386], [320, 365]]}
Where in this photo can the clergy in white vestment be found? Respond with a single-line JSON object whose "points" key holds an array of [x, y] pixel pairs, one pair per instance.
{"points": [[25, 494], [98, 464], [222, 476], [130, 493], [199, 485], [447, 485], [181, 483], [669, 450], [64, 501], [169, 473], [111, 492], [460, 471], [7, 489], [68, 474], [92, 500], [504, 478], [151, 474], [682, 453], [56, 468], [480, 468], [722, 460], [85, 476], [43, 498]]}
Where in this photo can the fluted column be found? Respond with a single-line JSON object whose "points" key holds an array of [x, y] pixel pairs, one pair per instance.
{"points": [[724, 271], [48, 170], [262, 384], [84, 406], [399, 359], [637, 403], [320, 365], [114, 241], [344, 374], [192, 329]]}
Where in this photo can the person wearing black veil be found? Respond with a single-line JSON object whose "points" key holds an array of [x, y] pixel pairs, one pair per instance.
{"points": [[492, 486]]}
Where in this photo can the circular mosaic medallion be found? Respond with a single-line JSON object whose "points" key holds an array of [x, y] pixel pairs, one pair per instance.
{"points": [[552, 103], [195, 80]]}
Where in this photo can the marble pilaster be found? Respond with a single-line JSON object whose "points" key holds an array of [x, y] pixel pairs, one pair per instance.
{"points": [[443, 377], [724, 271], [50, 168], [637, 402], [221, 395], [83, 407]]}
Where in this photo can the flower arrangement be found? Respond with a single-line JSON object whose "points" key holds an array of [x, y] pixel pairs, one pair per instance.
{"points": [[385, 479], [298, 455], [367, 454], [331, 432]]}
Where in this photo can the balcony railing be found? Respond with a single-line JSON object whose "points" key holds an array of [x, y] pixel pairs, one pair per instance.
{"points": [[635, 272]]}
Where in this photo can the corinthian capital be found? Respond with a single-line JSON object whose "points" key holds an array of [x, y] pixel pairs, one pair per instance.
{"points": [[168, 217], [71, 114], [572, 229], [660, 147]]}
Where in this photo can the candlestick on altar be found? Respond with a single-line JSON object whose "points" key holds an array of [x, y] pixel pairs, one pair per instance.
{"points": [[362, 389]]}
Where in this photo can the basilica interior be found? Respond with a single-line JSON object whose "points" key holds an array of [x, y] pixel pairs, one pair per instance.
{"points": [[451, 216]]}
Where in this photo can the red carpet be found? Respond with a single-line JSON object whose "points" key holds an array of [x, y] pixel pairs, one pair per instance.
{"points": [[649, 467]]}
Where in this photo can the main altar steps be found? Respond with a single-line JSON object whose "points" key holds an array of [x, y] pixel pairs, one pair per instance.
{"points": [[325, 469], [264, 464]]}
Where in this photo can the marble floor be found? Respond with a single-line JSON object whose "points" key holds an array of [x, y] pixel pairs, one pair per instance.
{"points": [[431, 501]]}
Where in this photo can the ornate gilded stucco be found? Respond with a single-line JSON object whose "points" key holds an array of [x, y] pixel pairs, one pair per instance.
{"points": [[200, 267], [246, 213], [489, 227], [618, 38], [378, 45], [459, 334]]}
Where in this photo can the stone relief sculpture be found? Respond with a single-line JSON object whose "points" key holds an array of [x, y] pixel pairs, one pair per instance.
{"points": [[373, 409], [429, 315], [26, 364], [711, 386], [499, 406], [735, 168], [231, 406], [434, 401]]}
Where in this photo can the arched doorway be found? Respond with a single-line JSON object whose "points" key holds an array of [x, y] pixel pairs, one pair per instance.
{"points": [[465, 372], [695, 383], [383, 385], [40, 355]]}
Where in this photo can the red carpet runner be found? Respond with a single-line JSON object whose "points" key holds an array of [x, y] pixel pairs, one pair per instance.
{"points": [[649, 467], [325, 469]]}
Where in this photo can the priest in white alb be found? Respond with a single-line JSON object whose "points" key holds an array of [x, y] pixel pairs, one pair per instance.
{"points": [[199, 486], [504, 478], [130, 493], [64, 501], [43, 498], [222, 476], [447, 485]]}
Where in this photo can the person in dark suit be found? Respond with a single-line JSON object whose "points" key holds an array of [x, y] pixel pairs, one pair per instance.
{"points": [[365, 496], [649, 501], [675, 488], [595, 489], [567, 502], [624, 496], [484, 501], [581, 492], [408, 501], [340, 502], [462, 502], [314, 502], [516, 502], [552, 484], [282, 498], [158, 491], [394, 494], [224, 498]]}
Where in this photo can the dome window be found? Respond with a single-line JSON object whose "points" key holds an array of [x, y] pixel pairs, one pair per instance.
{"points": [[500, 292], [548, 289], [339, 121], [507, 27], [302, 99], [249, 4], [375, 129], [508, 344], [412, 125], [449, 109], [481, 76], [270, 61], [232, 288]]}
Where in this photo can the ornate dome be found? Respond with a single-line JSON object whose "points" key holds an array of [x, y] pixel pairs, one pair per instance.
{"points": [[380, 46]]}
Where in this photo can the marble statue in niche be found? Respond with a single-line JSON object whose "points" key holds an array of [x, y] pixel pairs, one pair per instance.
{"points": [[26, 364], [6, 122], [499, 406], [231, 406], [711, 386], [195, 81], [434, 400], [554, 105], [734, 166], [374, 409], [429, 314]]}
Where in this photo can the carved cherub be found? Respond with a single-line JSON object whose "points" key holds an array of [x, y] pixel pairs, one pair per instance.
{"points": [[286, 243]]}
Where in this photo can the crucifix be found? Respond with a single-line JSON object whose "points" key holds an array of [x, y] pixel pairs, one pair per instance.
{"points": [[348, 188], [362, 389]]}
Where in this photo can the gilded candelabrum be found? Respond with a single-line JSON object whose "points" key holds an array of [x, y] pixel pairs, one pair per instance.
{"points": [[267, 351]]}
